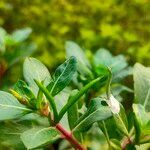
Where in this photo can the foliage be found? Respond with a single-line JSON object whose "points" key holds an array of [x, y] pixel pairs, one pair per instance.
{"points": [[13, 48], [90, 108], [122, 26]]}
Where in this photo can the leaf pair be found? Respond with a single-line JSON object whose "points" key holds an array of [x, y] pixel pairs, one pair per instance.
{"points": [[35, 70]]}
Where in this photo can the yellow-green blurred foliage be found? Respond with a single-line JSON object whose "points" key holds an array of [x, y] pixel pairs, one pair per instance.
{"points": [[122, 26]]}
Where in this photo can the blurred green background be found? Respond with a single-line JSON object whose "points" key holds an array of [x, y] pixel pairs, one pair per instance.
{"points": [[122, 26]]}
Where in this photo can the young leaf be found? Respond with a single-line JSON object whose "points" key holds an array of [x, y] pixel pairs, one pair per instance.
{"points": [[63, 75], [10, 108], [37, 137], [22, 88], [97, 111], [141, 76], [33, 69]]}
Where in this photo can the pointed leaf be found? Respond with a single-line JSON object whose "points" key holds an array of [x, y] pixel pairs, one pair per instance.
{"points": [[142, 85], [37, 137], [97, 111], [10, 108], [63, 75]]}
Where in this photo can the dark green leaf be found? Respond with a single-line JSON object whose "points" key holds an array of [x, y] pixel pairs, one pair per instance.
{"points": [[73, 115], [22, 88], [63, 75]]}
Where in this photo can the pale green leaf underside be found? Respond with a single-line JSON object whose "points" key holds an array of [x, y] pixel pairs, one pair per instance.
{"points": [[10, 108], [142, 85], [34, 69], [37, 137]]}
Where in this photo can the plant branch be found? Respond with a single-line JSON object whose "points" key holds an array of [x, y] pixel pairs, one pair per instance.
{"points": [[127, 140], [68, 136], [108, 93], [50, 98], [75, 98]]}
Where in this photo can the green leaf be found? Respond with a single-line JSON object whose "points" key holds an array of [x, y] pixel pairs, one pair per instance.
{"points": [[22, 88], [63, 75], [143, 118], [33, 69], [73, 115], [37, 137], [10, 108], [141, 77], [73, 49], [121, 121], [21, 35], [116, 63], [97, 111], [2, 39], [115, 144]]}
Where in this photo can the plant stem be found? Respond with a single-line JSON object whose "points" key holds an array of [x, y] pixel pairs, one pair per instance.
{"points": [[68, 136], [108, 93], [50, 98], [127, 140], [106, 134], [75, 98]]}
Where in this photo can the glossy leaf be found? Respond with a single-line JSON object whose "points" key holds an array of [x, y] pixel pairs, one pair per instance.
{"points": [[63, 75], [33, 69], [97, 111], [10, 108], [142, 85], [37, 137], [22, 88]]}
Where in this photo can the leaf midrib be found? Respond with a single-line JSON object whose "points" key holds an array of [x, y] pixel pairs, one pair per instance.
{"points": [[58, 78], [16, 107], [86, 118]]}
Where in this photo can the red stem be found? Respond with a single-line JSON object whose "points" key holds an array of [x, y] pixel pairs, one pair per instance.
{"points": [[125, 143], [69, 137]]}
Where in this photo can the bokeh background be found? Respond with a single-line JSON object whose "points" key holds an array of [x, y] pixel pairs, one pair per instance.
{"points": [[122, 26]]}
